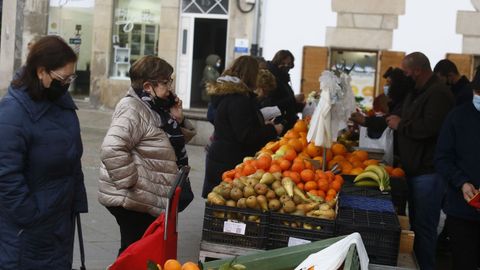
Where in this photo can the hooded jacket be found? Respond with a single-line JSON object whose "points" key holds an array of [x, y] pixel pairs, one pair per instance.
{"points": [[240, 129], [41, 181], [210, 74], [138, 162]]}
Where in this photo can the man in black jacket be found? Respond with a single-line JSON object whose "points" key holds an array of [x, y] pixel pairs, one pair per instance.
{"points": [[447, 71], [423, 114]]}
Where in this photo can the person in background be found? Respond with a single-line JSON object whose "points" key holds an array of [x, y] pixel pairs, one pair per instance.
{"points": [[41, 180], [456, 158], [240, 129], [210, 73], [447, 71], [265, 84], [32, 42], [283, 96], [423, 113], [143, 150]]}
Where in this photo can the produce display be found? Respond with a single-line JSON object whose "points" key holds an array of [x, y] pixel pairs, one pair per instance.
{"points": [[172, 265], [374, 176]]}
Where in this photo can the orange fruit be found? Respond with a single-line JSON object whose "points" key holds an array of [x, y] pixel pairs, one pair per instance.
{"points": [[298, 166], [291, 154], [285, 164], [303, 140], [356, 171], [172, 265], [389, 169], [313, 151], [307, 175], [272, 146], [338, 158], [330, 176], [282, 141], [275, 168], [300, 126], [329, 198], [296, 144], [321, 193], [332, 192], [323, 184], [338, 149], [310, 185], [371, 162], [320, 160], [190, 266], [398, 172], [336, 185], [339, 178], [295, 177], [361, 154], [291, 134], [264, 162], [346, 167], [248, 169], [300, 186]]}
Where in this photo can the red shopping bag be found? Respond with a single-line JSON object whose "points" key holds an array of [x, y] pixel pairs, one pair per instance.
{"points": [[159, 242]]}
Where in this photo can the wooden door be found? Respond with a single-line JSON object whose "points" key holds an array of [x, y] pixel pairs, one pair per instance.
{"points": [[315, 61], [464, 63], [387, 59]]}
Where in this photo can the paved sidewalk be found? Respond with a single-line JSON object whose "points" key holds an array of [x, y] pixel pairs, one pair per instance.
{"points": [[100, 230]]}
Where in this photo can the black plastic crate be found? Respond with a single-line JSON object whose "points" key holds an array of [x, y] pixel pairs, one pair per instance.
{"points": [[380, 232], [284, 226], [255, 231], [398, 194]]}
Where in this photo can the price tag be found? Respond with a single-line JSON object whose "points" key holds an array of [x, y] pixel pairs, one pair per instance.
{"points": [[231, 226], [292, 241]]}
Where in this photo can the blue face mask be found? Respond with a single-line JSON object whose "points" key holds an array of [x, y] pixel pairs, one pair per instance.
{"points": [[386, 88], [476, 102]]}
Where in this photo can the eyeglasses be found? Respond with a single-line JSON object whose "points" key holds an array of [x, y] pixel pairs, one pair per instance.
{"points": [[66, 80], [167, 83]]}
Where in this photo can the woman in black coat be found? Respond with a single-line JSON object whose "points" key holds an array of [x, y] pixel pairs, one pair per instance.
{"points": [[240, 129]]}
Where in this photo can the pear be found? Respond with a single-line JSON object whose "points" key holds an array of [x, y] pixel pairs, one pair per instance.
{"points": [[261, 189], [280, 191], [252, 181], [236, 193], [271, 194], [238, 183], [262, 201], [242, 203], [288, 184], [252, 202], [231, 203], [248, 191], [276, 184], [274, 205], [258, 174], [278, 176], [267, 178], [289, 206], [285, 198]]}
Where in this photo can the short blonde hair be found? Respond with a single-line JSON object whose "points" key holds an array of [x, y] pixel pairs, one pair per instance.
{"points": [[266, 80]]}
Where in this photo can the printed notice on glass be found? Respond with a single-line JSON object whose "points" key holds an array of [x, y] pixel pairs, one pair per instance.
{"points": [[292, 241], [231, 226]]}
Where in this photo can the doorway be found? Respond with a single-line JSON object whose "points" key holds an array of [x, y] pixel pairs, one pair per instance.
{"points": [[210, 37]]}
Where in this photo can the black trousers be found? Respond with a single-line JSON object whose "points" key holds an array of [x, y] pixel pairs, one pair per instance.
{"points": [[465, 241], [132, 225]]}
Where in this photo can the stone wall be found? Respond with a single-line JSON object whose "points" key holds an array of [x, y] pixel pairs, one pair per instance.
{"points": [[21, 21], [364, 24], [468, 25]]}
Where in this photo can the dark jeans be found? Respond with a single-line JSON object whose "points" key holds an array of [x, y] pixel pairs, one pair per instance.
{"points": [[132, 225], [424, 204], [465, 240]]}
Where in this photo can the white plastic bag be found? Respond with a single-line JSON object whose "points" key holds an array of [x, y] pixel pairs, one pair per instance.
{"points": [[385, 143]]}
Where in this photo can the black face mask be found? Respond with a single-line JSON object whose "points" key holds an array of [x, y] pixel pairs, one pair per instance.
{"points": [[164, 103], [56, 90]]}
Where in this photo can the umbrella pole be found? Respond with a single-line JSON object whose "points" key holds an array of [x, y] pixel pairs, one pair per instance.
{"points": [[324, 161]]}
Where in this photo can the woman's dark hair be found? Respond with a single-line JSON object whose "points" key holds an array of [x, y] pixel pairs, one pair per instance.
{"points": [[246, 69], [149, 69], [51, 53], [400, 84], [280, 56]]}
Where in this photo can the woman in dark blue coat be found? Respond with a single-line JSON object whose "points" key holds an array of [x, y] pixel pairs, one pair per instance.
{"points": [[41, 179]]}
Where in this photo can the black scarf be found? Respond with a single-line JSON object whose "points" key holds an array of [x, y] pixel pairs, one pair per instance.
{"points": [[169, 125]]}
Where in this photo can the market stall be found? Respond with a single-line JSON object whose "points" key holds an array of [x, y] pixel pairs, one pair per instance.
{"points": [[306, 187]]}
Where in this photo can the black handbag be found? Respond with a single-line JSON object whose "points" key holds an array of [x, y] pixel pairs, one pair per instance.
{"points": [[186, 195]]}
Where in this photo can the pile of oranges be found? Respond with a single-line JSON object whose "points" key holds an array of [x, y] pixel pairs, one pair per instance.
{"points": [[175, 265], [293, 156]]}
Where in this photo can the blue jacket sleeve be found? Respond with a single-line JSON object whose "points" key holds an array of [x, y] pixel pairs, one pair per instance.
{"points": [[15, 198], [445, 156]]}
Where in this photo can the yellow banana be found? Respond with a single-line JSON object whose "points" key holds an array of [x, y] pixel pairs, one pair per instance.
{"points": [[367, 183], [366, 175], [379, 170]]}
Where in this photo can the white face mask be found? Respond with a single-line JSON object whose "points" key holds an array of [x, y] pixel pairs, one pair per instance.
{"points": [[386, 88], [218, 64], [476, 101]]}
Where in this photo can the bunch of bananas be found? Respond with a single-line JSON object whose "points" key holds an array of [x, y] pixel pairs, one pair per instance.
{"points": [[373, 176]]}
